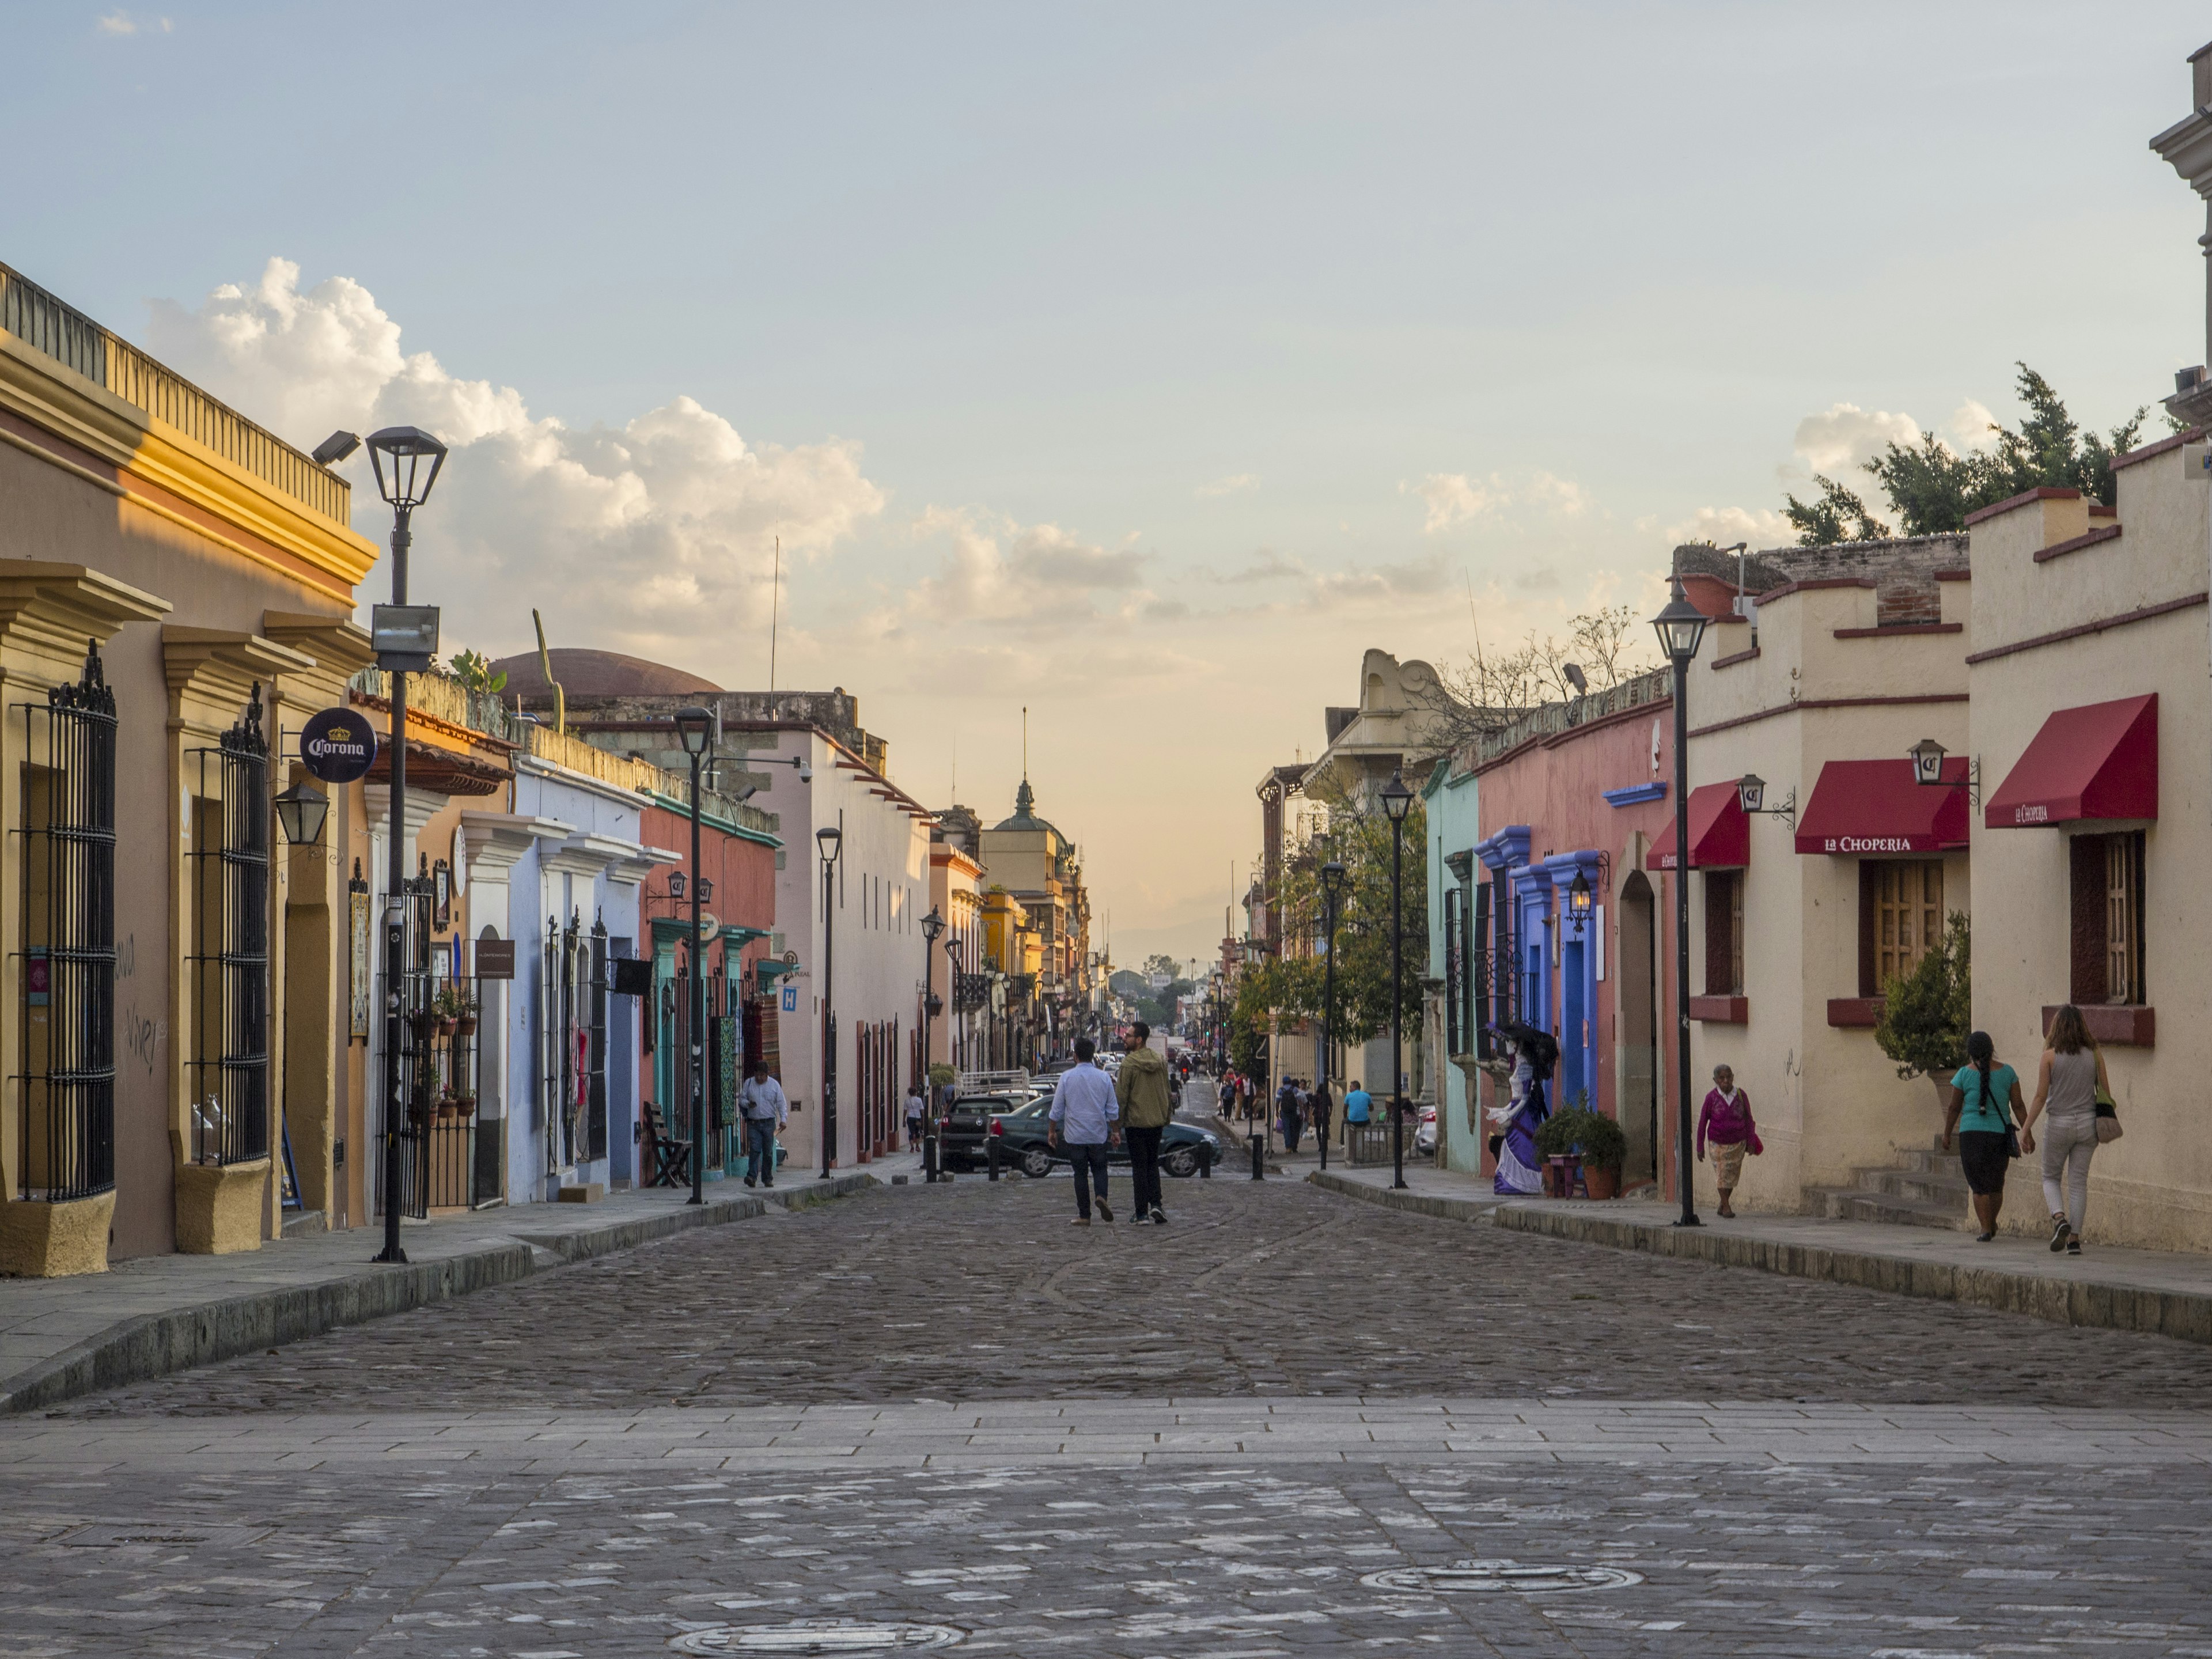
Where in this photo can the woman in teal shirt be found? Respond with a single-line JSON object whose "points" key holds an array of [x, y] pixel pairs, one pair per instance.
{"points": [[1981, 1102]]}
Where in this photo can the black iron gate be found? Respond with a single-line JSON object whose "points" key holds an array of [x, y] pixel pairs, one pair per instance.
{"points": [[439, 1073], [228, 964]]}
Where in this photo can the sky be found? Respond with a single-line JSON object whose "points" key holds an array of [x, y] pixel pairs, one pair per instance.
{"points": [[1139, 364]]}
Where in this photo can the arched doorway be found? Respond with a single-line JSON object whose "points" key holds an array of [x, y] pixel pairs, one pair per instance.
{"points": [[1637, 1014]]}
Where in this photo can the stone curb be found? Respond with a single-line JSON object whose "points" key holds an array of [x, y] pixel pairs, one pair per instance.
{"points": [[2184, 1315], [157, 1345]]}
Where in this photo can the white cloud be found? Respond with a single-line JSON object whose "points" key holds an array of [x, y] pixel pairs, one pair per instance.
{"points": [[1234, 485], [122, 22], [1726, 525], [1452, 498], [1034, 577], [1843, 439], [1969, 427], [655, 537]]}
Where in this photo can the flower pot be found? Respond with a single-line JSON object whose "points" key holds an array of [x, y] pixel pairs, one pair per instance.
{"points": [[466, 1025], [444, 1025], [1602, 1183], [447, 1111], [465, 1107]]}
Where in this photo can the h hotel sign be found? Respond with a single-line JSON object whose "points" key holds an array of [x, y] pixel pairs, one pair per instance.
{"points": [[337, 746]]}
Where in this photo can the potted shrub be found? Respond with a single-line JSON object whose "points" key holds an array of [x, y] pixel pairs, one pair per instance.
{"points": [[1926, 1015], [1595, 1140], [465, 1106], [464, 1019]]}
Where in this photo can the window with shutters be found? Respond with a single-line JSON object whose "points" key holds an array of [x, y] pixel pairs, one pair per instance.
{"points": [[2108, 911], [1900, 919], [1724, 932]]}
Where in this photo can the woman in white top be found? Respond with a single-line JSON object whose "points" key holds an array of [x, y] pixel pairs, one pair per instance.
{"points": [[2071, 1077]]}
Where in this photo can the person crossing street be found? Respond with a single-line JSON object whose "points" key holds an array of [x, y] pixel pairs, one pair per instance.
{"points": [[1147, 1102], [1083, 1110], [762, 1104]]}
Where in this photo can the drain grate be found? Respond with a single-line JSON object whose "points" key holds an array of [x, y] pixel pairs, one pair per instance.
{"points": [[805, 1636], [1493, 1576], [154, 1534]]}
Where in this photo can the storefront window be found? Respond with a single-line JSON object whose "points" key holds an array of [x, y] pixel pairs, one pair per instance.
{"points": [[2108, 913], [1900, 918], [1724, 932]]}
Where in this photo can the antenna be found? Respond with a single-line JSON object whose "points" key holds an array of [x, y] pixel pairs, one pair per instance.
{"points": [[545, 663], [775, 608], [1025, 743]]}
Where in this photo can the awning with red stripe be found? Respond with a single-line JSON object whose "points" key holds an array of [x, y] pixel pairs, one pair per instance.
{"points": [[1871, 807], [1720, 835], [2096, 761]]}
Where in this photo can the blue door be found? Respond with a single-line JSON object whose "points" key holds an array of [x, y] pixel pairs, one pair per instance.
{"points": [[1574, 1021]]}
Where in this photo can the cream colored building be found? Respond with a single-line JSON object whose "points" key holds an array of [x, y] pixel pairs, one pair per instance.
{"points": [[1795, 922]]}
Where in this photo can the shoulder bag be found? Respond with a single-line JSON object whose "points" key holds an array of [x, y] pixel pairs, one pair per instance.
{"points": [[2108, 1116]]}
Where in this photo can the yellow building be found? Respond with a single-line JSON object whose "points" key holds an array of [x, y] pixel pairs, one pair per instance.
{"points": [[179, 586]]}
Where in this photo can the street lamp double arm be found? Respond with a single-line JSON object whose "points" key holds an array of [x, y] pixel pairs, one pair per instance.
{"points": [[932, 929], [695, 727], [1331, 887], [1397, 801]]}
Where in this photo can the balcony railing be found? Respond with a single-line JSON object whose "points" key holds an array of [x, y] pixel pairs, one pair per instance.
{"points": [[61, 331]]}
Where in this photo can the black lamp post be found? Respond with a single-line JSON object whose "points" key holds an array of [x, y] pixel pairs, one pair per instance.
{"points": [[954, 956], [406, 461], [1397, 801], [1332, 885], [932, 929], [1682, 626], [695, 727], [830, 841]]}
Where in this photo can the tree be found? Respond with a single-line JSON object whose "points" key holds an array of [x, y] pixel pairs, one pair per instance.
{"points": [[1932, 488], [1927, 1014], [1492, 688], [474, 671]]}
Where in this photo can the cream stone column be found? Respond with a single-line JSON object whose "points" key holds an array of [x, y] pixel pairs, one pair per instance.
{"points": [[212, 675], [49, 614]]}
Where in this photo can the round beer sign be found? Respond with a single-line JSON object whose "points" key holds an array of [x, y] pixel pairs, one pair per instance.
{"points": [[338, 745]]}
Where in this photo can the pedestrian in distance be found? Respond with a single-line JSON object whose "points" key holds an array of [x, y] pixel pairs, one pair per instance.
{"points": [[2071, 1086], [1726, 1119], [1294, 1117], [1324, 1110], [1358, 1105], [1147, 1108], [762, 1105], [1083, 1124], [1225, 1099], [916, 1107], [1981, 1102]]}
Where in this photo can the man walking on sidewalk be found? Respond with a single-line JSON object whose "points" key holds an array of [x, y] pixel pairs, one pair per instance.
{"points": [[1084, 1110], [762, 1105], [1147, 1102]]}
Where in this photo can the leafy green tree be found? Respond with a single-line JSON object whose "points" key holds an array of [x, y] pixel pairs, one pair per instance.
{"points": [[1927, 1014], [474, 669], [1932, 488]]}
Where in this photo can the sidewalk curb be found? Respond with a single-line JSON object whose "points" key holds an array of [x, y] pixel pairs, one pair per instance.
{"points": [[158, 1345], [2183, 1314]]}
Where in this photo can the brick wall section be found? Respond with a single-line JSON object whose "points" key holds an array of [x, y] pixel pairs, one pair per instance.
{"points": [[1903, 569]]}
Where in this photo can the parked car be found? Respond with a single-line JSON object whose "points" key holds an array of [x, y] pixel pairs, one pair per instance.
{"points": [[1023, 1144], [961, 1129], [1425, 1137]]}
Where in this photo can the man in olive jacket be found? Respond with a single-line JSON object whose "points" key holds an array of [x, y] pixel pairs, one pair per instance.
{"points": [[1147, 1102]]}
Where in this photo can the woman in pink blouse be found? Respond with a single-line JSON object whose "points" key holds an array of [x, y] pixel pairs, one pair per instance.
{"points": [[1726, 1119]]}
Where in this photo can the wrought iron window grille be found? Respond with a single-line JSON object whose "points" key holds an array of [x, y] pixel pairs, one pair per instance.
{"points": [[229, 965], [66, 973]]}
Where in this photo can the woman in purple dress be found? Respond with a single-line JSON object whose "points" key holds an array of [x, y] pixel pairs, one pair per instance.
{"points": [[1519, 1167]]}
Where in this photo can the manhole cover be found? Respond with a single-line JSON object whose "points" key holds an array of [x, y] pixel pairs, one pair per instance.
{"points": [[816, 1636], [1491, 1576]]}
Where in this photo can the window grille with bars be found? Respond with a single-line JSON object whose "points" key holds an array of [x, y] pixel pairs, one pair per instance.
{"points": [[229, 965], [66, 973], [441, 1074]]}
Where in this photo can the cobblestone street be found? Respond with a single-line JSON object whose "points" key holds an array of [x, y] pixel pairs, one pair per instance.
{"points": [[683, 1445]]}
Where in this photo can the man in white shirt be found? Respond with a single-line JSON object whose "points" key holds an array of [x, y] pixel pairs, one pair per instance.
{"points": [[1084, 1114], [762, 1105]]}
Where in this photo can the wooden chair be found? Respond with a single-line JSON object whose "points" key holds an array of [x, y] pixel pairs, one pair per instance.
{"points": [[671, 1158]]}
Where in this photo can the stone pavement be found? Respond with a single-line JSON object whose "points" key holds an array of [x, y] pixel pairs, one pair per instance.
{"points": [[153, 1314], [2129, 1290], [1285, 1423]]}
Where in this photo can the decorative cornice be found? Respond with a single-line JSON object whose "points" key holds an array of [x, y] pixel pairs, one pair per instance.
{"points": [[586, 854], [52, 610], [339, 645], [218, 666], [496, 839]]}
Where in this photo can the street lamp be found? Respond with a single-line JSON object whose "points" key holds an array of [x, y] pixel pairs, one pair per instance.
{"points": [[932, 929], [829, 839], [1332, 886], [1397, 801], [406, 461], [695, 727], [301, 810], [1578, 903], [1681, 627], [1927, 758]]}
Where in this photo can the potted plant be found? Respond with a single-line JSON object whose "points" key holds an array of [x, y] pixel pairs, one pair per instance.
{"points": [[1592, 1139], [447, 1007], [464, 1105], [464, 1019], [1927, 1014]]}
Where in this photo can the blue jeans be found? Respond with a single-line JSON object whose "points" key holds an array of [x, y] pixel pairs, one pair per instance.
{"points": [[1089, 1165], [760, 1150]]}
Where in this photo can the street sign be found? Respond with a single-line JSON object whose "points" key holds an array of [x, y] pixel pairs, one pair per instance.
{"points": [[791, 999], [495, 958], [338, 745]]}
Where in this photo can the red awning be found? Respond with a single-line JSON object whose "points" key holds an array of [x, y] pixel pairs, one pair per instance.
{"points": [[1861, 806], [1720, 835], [2097, 762]]}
